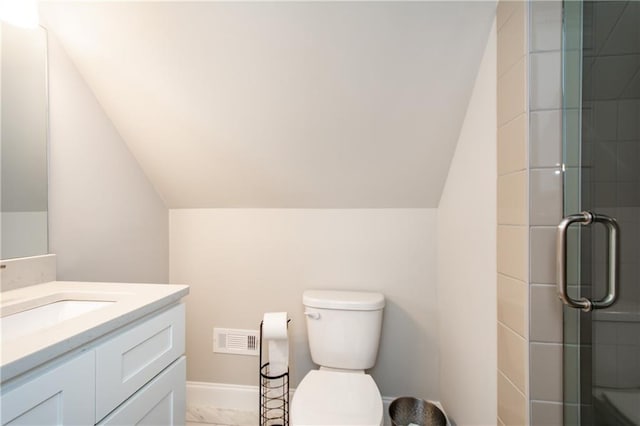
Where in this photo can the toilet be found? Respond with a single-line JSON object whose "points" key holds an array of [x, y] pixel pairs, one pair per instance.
{"points": [[344, 333]]}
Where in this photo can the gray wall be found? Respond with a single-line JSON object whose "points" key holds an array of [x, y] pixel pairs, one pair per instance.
{"points": [[107, 223], [241, 263]]}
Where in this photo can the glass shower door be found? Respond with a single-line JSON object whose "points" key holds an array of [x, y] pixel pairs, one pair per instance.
{"points": [[599, 239]]}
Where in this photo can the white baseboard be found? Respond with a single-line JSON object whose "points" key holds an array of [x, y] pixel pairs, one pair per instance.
{"points": [[220, 403], [238, 404], [233, 397]]}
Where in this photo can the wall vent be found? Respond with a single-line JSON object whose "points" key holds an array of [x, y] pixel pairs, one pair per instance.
{"points": [[236, 341]]}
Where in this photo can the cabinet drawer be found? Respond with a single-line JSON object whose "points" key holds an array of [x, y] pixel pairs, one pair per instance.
{"points": [[64, 395], [131, 359], [159, 402]]}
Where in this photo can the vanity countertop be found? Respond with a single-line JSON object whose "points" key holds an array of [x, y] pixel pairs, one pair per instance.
{"points": [[19, 354]]}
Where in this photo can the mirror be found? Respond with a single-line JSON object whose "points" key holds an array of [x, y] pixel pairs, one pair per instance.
{"points": [[23, 142]]}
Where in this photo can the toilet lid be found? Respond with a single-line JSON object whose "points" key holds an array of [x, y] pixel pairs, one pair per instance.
{"points": [[336, 398]]}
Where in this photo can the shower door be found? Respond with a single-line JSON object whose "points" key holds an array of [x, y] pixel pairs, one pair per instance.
{"points": [[599, 239]]}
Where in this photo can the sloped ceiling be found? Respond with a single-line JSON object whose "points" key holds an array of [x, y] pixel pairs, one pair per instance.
{"points": [[282, 104]]}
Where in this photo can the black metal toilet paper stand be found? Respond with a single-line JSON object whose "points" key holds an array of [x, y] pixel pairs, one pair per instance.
{"points": [[274, 394]]}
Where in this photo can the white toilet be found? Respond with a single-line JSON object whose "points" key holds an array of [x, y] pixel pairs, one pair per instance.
{"points": [[344, 332]]}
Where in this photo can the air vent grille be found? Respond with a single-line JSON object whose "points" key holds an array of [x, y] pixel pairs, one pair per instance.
{"points": [[236, 341]]}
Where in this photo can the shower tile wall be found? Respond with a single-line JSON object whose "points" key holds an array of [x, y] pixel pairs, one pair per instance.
{"points": [[611, 131], [545, 211], [529, 209], [512, 238]]}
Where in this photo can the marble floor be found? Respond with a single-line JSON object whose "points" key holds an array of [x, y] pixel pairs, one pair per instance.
{"points": [[203, 424], [201, 415]]}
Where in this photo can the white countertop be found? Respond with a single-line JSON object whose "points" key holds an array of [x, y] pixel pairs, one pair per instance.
{"points": [[131, 302]]}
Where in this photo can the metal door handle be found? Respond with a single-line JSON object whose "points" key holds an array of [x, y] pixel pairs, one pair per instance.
{"points": [[587, 218]]}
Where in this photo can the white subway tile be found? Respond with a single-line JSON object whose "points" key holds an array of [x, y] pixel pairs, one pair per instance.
{"points": [[545, 82]]}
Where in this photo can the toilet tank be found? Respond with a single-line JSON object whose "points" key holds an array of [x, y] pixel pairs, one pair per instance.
{"points": [[343, 327]]}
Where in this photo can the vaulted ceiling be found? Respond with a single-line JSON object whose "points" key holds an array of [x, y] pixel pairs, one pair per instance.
{"points": [[282, 104]]}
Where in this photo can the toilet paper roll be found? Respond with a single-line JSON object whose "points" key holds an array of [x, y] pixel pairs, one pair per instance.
{"points": [[274, 331]]}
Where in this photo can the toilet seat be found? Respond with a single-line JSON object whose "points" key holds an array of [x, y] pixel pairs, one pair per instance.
{"points": [[336, 398]]}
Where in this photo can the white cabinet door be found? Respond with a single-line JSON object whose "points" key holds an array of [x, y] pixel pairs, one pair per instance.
{"points": [[65, 395], [159, 402], [129, 360]]}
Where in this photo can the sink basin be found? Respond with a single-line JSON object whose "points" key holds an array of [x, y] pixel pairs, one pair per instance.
{"points": [[45, 316], [41, 322]]}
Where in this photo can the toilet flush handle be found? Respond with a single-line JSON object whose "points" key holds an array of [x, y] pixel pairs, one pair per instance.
{"points": [[313, 315]]}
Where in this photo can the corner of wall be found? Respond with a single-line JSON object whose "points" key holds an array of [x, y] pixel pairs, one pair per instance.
{"points": [[466, 259], [106, 221]]}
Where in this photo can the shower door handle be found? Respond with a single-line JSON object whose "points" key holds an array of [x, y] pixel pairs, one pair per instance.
{"points": [[613, 231]]}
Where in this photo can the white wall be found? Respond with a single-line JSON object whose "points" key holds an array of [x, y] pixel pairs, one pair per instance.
{"points": [[106, 221], [241, 263], [467, 260], [313, 104]]}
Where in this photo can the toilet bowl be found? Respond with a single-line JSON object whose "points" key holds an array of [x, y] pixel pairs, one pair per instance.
{"points": [[337, 398], [344, 333]]}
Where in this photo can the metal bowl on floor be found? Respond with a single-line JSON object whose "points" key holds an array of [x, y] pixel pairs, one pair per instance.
{"points": [[407, 410]]}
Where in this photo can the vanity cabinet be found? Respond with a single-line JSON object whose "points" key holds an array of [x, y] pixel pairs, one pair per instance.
{"points": [[159, 402], [131, 359], [135, 375], [64, 395]]}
